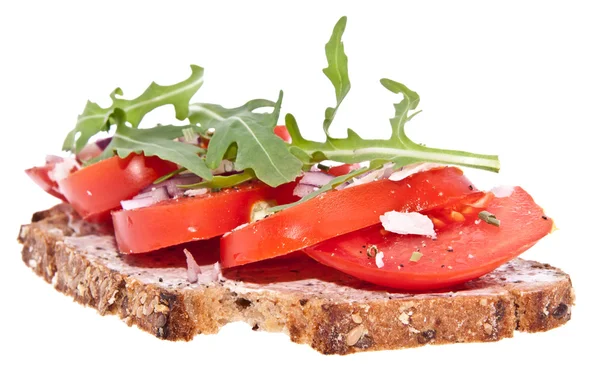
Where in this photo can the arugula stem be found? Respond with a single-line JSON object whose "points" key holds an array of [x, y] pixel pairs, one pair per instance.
{"points": [[465, 159], [385, 150], [218, 182]]}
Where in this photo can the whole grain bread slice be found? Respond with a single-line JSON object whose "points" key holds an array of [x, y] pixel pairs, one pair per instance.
{"points": [[332, 312]]}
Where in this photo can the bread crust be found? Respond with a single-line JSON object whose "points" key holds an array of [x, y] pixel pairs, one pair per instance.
{"points": [[333, 313]]}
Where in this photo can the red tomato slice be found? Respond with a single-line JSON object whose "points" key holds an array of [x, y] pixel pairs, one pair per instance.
{"points": [[39, 175], [188, 219], [461, 252], [283, 133], [341, 170], [340, 212], [95, 190]]}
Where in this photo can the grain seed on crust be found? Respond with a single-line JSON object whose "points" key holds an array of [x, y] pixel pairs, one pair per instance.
{"points": [[354, 335]]}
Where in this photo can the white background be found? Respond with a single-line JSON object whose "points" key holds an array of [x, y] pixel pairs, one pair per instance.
{"points": [[519, 79]]}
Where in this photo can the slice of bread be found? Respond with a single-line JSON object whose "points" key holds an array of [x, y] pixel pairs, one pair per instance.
{"points": [[316, 305]]}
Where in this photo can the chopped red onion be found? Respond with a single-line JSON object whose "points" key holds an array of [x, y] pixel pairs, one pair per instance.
{"points": [[367, 177], [192, 267], [93, 150], [502, 191], [317, 179], [311, 182], [143, 200], [53, 159], [225, 166], [103, 143], [137, 203], [171, 185], [302, 190], [217, 273], [411, 169], [62, 169], [195, 192]]}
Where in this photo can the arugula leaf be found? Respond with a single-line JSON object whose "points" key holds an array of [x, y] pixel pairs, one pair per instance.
{"points": [[157, 141], [258, 148], [399, 149], [209, 115], [337, 70], [95, 119]]}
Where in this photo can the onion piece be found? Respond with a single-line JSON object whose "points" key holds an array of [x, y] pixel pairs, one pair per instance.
{"points": [[171, 185], [195, 192], [192, 267], [62, 169], [93, 150], [143, 200], [411, 169], [103, 143], [311, 182], [377, 174], [225, 166], [317, 179], [53, 159], [502, 191], [302, 190]]}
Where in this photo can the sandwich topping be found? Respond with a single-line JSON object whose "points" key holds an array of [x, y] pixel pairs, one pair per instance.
{"points": [[266, 191]]}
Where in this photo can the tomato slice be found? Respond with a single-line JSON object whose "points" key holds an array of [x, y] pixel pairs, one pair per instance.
{"points": [[461, 252], [39, 175], [339, 212], [95, 190], [343, 169], [188, 219], [283, 133]]}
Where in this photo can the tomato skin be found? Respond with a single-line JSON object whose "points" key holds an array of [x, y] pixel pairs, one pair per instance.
{"points": [[461, 252], [187, 219], [39, 175], [339, 212], [343, 169], [95, 190], [283, 133]]}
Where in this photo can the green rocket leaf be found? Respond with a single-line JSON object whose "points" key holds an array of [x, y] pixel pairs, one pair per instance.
{"points": [[95, 119]]}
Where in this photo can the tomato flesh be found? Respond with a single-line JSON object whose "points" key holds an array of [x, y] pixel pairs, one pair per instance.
{"points": [[40, 176], [188, 219], [339, 212], [283, 133], [95, 190], [461, 251], [342, 169]]}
